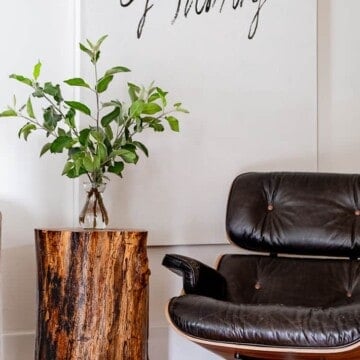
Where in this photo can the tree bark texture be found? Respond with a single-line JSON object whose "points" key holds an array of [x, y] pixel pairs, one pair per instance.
{"points": [[92, 295]]}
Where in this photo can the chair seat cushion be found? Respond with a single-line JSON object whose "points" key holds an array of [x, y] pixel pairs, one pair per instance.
{"points": [[265, 325], [289, 302]]}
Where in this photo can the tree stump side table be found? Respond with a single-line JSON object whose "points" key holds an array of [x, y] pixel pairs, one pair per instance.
{"points": [[92, 294]]}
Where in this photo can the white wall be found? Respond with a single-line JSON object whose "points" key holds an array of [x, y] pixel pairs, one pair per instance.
{"points": [[339, 84], [253, 107]]}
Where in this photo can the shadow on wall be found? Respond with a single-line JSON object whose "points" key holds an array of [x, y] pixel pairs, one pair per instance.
{"points": [[18, 268], [18, 289], [18, 276]]}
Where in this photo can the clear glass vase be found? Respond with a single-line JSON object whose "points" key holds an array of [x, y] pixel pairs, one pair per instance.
{"points": [[94, 214]]}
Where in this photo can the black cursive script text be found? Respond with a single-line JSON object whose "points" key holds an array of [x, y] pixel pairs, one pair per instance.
{"points": [[200, 7]]}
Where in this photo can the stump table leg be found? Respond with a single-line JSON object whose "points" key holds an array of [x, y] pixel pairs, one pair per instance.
{"points": [[92, 295]]}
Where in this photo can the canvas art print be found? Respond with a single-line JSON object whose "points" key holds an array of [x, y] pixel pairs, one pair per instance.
{"points": [[230, 61]]}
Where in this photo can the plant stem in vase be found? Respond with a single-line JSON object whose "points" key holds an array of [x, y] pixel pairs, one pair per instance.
{"points": [[94, 214]]}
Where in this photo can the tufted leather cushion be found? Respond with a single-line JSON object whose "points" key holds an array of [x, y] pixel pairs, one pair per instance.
{"points": [[277, 301], [288, 281], [296, 213], [265, 325]]}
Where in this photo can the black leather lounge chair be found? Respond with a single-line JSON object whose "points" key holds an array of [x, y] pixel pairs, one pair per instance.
{"points": [[299, 298]]}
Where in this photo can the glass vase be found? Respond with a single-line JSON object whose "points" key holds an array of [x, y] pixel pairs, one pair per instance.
{"points": [[94, 214]]}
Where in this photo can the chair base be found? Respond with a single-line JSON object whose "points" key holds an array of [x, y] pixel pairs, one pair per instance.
{"points": [[238, 352]]}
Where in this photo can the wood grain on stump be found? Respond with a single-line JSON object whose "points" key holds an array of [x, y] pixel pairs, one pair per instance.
{"points": [[92, 295]]}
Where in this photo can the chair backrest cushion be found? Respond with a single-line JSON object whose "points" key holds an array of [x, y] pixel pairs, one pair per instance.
{"points": [[296, 213]]}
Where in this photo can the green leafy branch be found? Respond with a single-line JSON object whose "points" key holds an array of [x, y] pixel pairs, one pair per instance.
{"points": [[107, 143]]}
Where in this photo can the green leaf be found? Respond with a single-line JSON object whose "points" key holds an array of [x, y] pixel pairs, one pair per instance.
{"points": [[154, 123], [84, 136], [138, 125], [151, 108], [109, 133], [68, 166], [45, 149], [127, 155], [151, 88], [75, 152], [26, 130], [133, 91], [161, 91], [97, 135], [142, 147], [22, 79], [77, 82], [8, 113], [29, 109], [99, 42], [157, 126], [154, 97], [39, 92], [75, 172], [179, 109], [116, 70], [136, 108], [130, 147], [117, 168], [60, 143], [54, 91], [51, 118], [107, 119], [94, 51], [102, 151], [70, 118], [149, 119], [36, 71], [61, 132], [85, 49], [103, 83], [173, 122], [162, 95], [92, 46], [95, 57], [76, 105], [78, 166], [116, 103], [97, 162], [88, 163]]}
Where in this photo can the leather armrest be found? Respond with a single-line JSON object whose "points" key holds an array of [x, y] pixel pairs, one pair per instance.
{"points": [[198, 278]]}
